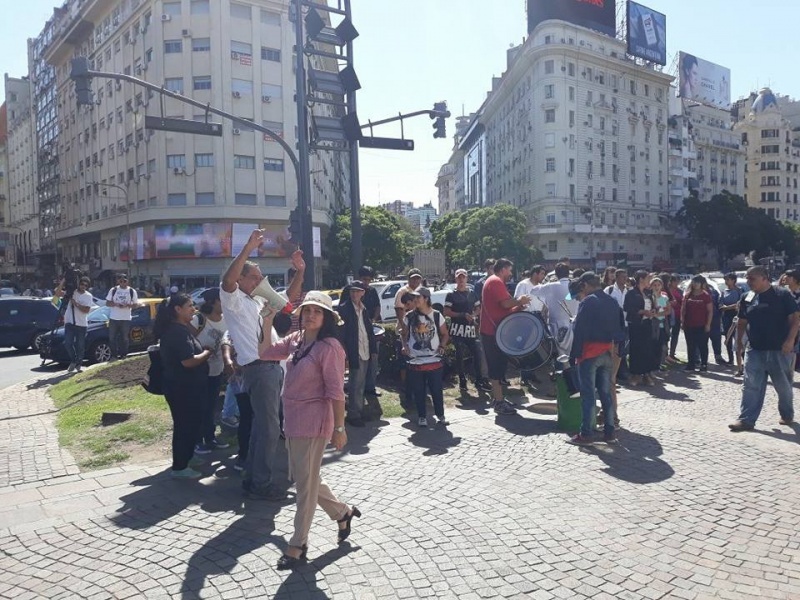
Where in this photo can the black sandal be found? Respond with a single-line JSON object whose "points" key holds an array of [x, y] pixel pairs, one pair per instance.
{"points": [[286, 562], [345, 533]]}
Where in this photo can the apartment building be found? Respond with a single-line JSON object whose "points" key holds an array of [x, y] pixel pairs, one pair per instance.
{"points": [[575, 134], [772, 145], [6, 239], [168, 206]]}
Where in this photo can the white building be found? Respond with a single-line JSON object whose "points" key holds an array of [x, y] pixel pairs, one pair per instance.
{"points": [[574, 133], [186, 202], [22, 219]]}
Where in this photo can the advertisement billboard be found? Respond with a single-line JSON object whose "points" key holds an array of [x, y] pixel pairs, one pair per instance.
{"points": [[276, 242], [599, 15], [647, 33], [193, 240], [704, 81]]}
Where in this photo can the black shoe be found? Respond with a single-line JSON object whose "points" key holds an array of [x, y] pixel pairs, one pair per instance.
{"points": [[286, 562], [462, 386], [721, 361], [355, 421], [345, 533], [689, 368], [703, 368], [375, 393], [505, 382], [483, 384], [268, 494]]}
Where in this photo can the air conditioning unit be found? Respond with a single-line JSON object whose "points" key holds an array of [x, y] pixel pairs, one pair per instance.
{"points": [[266, 99], [165, 18], [179, 171], [236, 94], [186, 32], [237, 131]]}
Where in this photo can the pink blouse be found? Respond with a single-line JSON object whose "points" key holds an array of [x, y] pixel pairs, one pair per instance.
{"points": [[311, 386]]}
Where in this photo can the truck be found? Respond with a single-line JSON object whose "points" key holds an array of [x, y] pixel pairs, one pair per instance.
{"points": [[431, 262]]}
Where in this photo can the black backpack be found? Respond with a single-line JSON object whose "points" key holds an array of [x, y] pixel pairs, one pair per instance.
{"points": [[154, 380]]}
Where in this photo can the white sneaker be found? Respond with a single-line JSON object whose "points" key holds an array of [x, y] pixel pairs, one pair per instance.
{"points": [[78, 369], [422, 422], [442, 421], [71, 368]]}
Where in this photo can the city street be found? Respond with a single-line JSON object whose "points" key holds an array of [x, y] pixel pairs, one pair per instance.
{"points": [[492, 507], [16, 366]]}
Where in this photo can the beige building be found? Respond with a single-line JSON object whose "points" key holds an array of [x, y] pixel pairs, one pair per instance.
{"points": [[574, 134], [773, 154], [22, 211], [185, 202]]}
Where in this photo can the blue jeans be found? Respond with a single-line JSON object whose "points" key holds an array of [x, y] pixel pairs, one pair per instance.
{"points": [[423, 382], [118, 337], [75, 342], [229, 407], [757, 365], [596, 373]]}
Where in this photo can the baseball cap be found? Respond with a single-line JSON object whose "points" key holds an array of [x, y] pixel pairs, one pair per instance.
{"points": [[358, 285], [424, 292], [461, 272], [588, 277], [414, 273]]}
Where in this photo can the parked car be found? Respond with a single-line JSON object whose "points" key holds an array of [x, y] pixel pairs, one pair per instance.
{"points": [[23, 321], [387, 290], [98, 348], [7, 291]]}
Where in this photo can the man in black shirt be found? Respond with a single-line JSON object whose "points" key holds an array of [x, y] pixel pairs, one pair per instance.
{"points": [[770, 317], [459, 306]]}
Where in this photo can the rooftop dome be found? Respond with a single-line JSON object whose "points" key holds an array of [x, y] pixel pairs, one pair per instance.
{"points": [[764, 100]]}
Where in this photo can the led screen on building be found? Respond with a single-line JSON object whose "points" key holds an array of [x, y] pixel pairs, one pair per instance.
{"points": [[599, 15], [704, 81], [276, 239], [647, 33]]}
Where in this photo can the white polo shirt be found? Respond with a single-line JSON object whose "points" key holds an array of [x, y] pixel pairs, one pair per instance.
{"points": [[243, 318]]}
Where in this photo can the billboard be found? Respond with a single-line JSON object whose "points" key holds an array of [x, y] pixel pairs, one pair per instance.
{"points": [[599, 15], [704, 81], [276, 240], [647, 33], [193, 240]]}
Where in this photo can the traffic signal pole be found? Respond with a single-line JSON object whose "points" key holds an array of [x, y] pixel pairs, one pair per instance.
{"points": [[356, 250]]}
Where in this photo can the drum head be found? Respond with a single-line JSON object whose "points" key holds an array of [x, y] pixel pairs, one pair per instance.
{"points": [[520, 334], [377, 330]]}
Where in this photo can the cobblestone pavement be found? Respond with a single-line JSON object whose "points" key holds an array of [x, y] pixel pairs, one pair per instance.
{"points": [[492, 507]]}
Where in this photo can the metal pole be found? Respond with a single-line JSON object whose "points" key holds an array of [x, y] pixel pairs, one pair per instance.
{"points": [[356, 252], [303, 170]]}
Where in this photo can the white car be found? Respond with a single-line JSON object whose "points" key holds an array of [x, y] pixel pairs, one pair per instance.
{"points": [[387, 290]]}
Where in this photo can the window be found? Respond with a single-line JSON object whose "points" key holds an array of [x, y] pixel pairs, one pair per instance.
{"points": [[549, 67], [549, 91], [572, 94], [572, 118], [199, 7], [246, 199], [273, 164], [550, 218], [552, 246], [173, 84], [550, 190], [242, 87], [571, 69], [240, 11], [275, 200], [172, 8], [272, 54], [274, 126], [176, 161], [270, 18], [550, 165], [173, 46], [241, 161], [202, 83], [550, 115], [549, 140], [151, 165], [271, 91], [176, 199], [204, 198], [204, 160], [201, 45], [238, 48]]}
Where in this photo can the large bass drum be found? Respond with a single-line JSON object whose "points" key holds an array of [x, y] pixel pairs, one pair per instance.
{"points": [[524, 338]]}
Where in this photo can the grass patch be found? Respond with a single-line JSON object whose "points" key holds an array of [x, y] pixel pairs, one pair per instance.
{"points": [[82, 400]]}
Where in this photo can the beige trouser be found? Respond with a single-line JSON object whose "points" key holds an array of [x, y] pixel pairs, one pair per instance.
{"points": [[305, 461]]}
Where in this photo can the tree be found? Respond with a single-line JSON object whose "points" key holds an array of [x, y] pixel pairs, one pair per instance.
{"points": [[469, 237], [386, 242]]}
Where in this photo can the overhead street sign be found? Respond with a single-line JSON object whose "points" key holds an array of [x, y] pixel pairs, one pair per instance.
{"points": [[182, 126], [386, 143]]}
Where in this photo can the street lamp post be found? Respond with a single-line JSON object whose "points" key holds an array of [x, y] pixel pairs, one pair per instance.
{"points": [[124, 190]]}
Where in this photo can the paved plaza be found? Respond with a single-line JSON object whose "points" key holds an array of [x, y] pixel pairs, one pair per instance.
{"points": [[492, 507]]}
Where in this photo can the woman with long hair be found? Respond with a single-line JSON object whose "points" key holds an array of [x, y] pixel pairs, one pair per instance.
{"points": [[313, 410], [609, 277], [639, 310], [185, 368], [698, 312], [663, 311]]}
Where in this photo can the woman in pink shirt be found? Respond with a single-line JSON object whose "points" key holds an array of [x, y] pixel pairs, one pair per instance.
{"points": [[313, 410]]}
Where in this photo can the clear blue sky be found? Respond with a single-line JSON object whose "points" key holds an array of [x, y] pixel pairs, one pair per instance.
{"points": [[412, 53]]}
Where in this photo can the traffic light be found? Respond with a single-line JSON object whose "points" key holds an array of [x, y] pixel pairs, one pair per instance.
{"points": [[296, 226], [83, 81], [439, 113]]}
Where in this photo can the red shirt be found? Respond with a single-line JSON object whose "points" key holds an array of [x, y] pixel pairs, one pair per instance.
{"points": [[594, 349], [695, 309], [494, 292]]}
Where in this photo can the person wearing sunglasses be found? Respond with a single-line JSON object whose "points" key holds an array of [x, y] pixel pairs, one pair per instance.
{"points": [[121, 299]]}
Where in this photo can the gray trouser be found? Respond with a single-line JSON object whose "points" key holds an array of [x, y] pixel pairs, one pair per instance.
{"points": [[263, 382], [355, 389], [118, 336]]}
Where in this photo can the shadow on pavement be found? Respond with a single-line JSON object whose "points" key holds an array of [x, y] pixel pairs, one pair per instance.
{"points": [[665, 394], [302, 582], [778, 434], [435, 439], [635, 459], [518, 425], [358, 439]]}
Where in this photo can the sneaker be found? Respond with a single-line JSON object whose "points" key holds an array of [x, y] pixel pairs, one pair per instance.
{"points": [[422, 422], [580, 440], [505, 382], [786, 421], [71, 368], [231, 422], [238, 465], [78, 369], [504, 407], [187, 473], [202, 449], [689, 367], [196, 461], [721, 361], [441, 421], [219, 445], [483, 384], [610, 438], [462, 386], [703, 368], [741, 426]]}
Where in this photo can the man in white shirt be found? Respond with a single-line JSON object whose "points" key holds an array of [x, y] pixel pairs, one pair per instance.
{"points": [[121, 299], [75, 324], [618, 291], [529, 287], [263, 380], [560, 310]]}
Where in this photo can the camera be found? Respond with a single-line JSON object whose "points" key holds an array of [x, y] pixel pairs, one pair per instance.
{"points": [[71, 276]]}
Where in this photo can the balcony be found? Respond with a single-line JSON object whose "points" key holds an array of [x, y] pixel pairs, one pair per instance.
{"points": [[676, 191]]}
